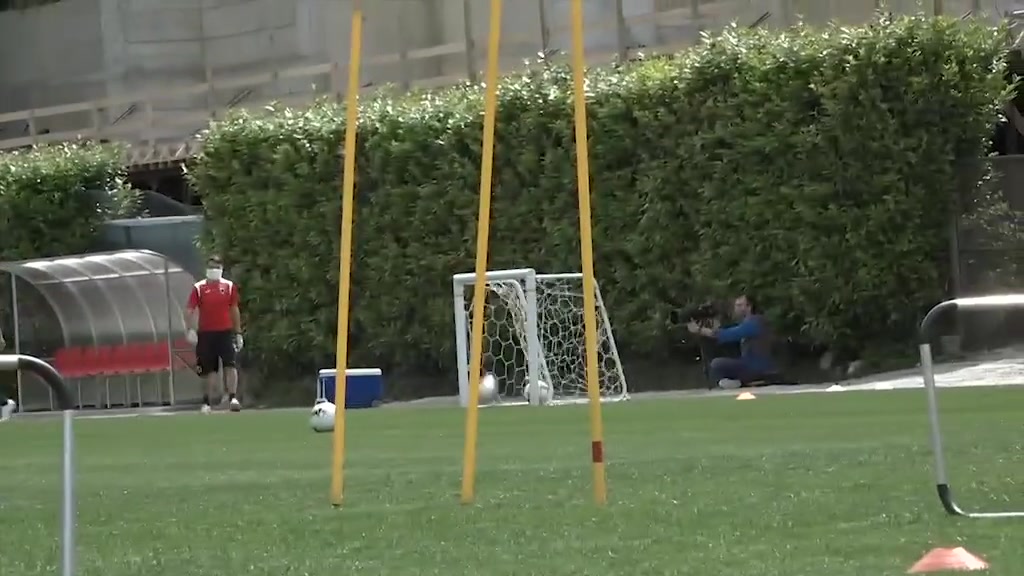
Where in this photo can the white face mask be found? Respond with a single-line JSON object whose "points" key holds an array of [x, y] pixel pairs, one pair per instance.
{"points": [[214, 274]]}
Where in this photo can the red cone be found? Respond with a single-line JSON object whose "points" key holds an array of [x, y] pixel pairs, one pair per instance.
{"points": [[948, 560]]}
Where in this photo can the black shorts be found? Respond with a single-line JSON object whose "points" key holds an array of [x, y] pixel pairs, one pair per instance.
{"points": [[214, 349]]}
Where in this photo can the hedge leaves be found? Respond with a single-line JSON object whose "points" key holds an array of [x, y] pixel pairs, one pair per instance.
{"points": [[815, 168], [54, 198]]}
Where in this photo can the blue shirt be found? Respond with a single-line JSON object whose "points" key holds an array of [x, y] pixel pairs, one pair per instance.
{"points": [[753, 337]]}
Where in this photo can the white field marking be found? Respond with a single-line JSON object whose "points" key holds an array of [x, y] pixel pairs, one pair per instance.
{"points": [[105, 416]]}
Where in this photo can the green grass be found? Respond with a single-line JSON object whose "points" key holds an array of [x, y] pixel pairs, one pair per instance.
{"points": [[815, 484]]}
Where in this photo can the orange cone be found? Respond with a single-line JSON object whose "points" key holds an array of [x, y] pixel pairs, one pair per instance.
{"points": [[948, 560], [745, 396]]}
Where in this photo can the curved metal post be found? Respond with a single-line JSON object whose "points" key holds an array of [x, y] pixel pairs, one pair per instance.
{"points": [[170, 335], [1001, 302], [16, 362], [17, 334]]}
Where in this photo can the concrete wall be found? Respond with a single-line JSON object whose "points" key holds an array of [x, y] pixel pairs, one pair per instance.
{"points": [[157, 45], [47, 61], [388, 28], [43, 56], [522, 36], [77, 50]]}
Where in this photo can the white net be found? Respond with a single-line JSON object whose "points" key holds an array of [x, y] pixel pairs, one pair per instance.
{"points": [[561, 361]]}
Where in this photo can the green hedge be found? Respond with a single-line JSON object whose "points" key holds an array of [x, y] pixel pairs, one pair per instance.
{"points": [[54, 198], [814, 168]]}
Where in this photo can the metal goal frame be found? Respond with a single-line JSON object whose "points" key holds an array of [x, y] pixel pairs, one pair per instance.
{"points": [[535, 359]]}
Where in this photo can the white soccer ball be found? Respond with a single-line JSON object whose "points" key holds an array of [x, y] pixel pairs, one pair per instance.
{"points": [[488, 389], [546, 393], [322, 417]]}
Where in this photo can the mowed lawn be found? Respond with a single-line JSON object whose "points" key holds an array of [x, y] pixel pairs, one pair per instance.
{"points": [[810, 484]]}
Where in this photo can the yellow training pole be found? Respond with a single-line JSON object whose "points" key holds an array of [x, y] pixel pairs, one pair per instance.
{"points": [[345, 270], [587, 254], [483, 233]]}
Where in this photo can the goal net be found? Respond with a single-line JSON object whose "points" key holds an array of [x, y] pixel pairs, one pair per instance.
{"points": [[534, 335]]}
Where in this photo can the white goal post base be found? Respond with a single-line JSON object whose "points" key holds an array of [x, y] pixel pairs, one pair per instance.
{"points": [[534, 339]]}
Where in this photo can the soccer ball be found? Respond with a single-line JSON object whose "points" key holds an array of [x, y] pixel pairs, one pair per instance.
{"points": [[546, 393], [322, 417], [488, 389]]}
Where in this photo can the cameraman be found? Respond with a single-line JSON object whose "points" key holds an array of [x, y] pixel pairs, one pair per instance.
{"points": [[754, 336]]}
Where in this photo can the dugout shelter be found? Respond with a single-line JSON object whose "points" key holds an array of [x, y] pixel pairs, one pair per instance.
{"points": [[111, 323]]}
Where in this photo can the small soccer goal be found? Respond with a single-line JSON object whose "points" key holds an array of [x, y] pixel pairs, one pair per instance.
{"points": [[534, 338]]}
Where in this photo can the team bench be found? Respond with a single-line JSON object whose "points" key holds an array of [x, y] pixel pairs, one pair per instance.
{"points": [[136, 362], [121, 360]]}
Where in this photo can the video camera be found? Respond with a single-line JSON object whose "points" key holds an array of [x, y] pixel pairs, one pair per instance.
{"points": [[706, 315], [701, 314]]}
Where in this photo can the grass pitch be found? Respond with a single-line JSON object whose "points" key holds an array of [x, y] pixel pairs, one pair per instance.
{"points": [[810, 484]]}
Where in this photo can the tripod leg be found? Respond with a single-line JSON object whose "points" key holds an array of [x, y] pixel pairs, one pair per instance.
{"points": [[706, 365]]}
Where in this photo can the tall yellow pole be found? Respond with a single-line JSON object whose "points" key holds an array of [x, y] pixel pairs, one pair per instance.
{"points": [[587, 254], [483, 233], [345, 270]]}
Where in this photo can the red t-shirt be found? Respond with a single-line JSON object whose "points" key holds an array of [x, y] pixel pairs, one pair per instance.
{"points": [[214, 300]]}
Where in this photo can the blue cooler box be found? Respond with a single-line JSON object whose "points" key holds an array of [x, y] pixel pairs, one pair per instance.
{"points": [[364, 387]]}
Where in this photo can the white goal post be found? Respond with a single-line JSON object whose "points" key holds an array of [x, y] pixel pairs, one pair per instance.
{"points": [[534, 334]]}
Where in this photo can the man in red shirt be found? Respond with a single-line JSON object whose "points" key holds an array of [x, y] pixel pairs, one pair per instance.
{"points": [[215, 328]]}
